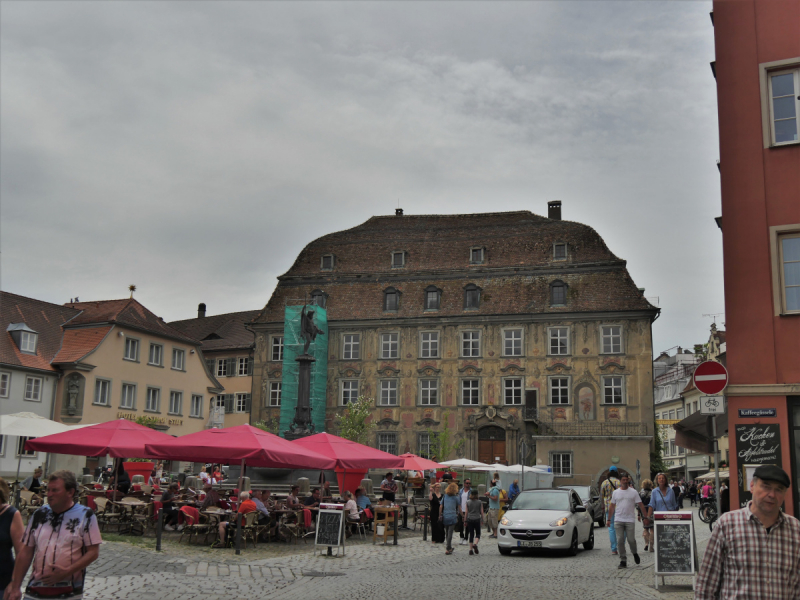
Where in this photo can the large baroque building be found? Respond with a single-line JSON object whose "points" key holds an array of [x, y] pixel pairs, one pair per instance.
{"points": [[500, 327]]}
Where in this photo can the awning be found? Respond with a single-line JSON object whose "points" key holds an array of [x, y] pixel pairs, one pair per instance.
{"points": [[694, 432], [726, 474]]}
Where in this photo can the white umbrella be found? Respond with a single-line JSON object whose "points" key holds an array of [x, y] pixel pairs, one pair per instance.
{"points": [[463, 463], [495, 467]]}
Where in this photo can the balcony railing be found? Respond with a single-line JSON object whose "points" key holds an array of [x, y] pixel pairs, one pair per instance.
{"points": [[530, 413], [592, 428]]}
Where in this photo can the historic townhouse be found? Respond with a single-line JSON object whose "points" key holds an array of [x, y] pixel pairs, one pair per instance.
{"points": [[500, 327]]}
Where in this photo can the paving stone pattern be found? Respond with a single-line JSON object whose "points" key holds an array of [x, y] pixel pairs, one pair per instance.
{"points": [[413, 569]]}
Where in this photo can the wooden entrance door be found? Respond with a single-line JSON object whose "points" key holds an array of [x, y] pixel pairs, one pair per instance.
{"points": [[492, 445]]}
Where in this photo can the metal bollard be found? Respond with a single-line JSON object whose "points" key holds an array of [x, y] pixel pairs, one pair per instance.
{"points": [[239, 533], [159, 526], [425, 520]]}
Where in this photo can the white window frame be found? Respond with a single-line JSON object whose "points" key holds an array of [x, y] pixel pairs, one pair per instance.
{"points": [[424, 442], [429, 344], [131, 344], [275, 390], [28, 341], [178, 359], [615, 383], [33, 389], [157, 361], [390, 348], [550, 394], [243, 362], [20, 452], [766, 71], [777, 235], [386, 441], [402, 255], [196, 407], [388, 392], [222, 367], [240, 403], [471, 343], [153, 394], [513, 390], [428, 392], [470, 387], [102, 386], [5, 384], [610, 342], [348, 391], [122, 396], [351, 346], [509, 335], [555, 333], [277, 347], [175, 402], [795, 73], [558, 457]]}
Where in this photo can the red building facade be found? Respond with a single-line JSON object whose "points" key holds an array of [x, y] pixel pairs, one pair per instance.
{"points": [[757, 71]]}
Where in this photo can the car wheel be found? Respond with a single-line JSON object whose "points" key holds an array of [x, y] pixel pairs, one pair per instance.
{"points": [[573, 547], [504, 551], [589, 544]]}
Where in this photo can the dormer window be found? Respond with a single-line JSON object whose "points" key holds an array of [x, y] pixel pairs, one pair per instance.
{"points": [[328, 261], [559, 251], [398, 260], [433, 298], [319, 298], [558, 293], [391, 300], [24, 337], [477, 256], [472, 296]]}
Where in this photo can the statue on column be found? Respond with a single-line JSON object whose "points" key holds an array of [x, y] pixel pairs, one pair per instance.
{"points": [[308, 329]]}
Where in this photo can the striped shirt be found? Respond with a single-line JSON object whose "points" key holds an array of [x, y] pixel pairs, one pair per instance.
{"points": [[745, 561]]}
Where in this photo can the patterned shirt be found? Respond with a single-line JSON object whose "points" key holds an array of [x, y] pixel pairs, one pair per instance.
{"points": [[607, 490], [60, 540], [743, 561]]}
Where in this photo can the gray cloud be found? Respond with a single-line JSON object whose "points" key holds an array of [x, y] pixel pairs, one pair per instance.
{"points": [[194, 148]]}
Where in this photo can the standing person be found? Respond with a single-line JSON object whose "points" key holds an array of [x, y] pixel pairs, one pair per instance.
{"points": [[474, 518], [693, 493], [448, 513], [437, 528], [513, 490], [389, 487], [325, 493], [706, 492], [463, 498], [647, 527], [62, 539], [662, 498], [171, 512], [624, 502], [11, 529], [159, 471], [754, 552], [494, 508], [606, 491]]}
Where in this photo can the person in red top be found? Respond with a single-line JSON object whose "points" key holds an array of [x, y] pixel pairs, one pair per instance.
{"points": [[246, 505]]}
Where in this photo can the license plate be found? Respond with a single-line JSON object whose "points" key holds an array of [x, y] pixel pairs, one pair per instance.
{"points": [[529, 544]]}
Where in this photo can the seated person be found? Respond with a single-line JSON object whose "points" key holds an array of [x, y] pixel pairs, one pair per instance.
{"points": [[266, 498], [325, 494], [171, 512], [212, 497], [312, 500], [153, 479], [34, 484], [292, 502], [204, 476], [258, 500], [351, 510], [217, 475], [389, 487], [245, 506], [362, 500]]}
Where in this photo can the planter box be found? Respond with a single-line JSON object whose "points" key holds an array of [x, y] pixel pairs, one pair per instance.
{"points": [[139, 468]]}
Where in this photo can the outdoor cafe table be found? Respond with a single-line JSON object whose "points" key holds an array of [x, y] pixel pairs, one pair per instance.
{"points": [[385, 512]]}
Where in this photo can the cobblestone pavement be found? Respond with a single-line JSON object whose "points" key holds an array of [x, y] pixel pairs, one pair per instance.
{"points": [[414, 569]]}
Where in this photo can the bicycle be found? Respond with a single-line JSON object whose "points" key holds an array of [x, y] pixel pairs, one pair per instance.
{"points": [[708, 510]]}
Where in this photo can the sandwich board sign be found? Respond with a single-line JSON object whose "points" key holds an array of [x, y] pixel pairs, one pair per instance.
{"points": [[675, 544], [330, 527]]}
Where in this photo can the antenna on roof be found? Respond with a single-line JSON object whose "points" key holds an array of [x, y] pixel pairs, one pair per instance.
{"points": [[132, 288], [714, 316]]}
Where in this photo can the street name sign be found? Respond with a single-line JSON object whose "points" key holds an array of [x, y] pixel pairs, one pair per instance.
{"points": [[710, 377]]}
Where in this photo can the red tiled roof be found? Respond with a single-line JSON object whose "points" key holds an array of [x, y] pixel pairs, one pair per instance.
{"points": [[127, 312], [77, 343], [229, 327], [43, 317]]}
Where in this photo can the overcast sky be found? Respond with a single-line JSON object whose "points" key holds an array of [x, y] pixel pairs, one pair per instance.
{"points": [[194, 148]]}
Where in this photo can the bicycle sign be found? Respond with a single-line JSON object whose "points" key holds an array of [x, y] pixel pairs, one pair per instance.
{"points": [[712, 405]]}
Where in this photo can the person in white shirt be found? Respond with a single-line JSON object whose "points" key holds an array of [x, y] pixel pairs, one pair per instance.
{"points": [[624, 502], [463, 498]]}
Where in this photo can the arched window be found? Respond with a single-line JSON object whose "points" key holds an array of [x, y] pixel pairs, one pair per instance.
{"points": [[433, 298], [472, 296], [391, 299], [558, 293], [319, 298]]}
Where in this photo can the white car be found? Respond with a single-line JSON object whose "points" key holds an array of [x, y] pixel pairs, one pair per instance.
{"points": [[548, 519]]}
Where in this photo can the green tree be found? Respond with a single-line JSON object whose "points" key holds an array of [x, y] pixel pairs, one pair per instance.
{"points": [[150, 422], [443, 443], [272, 425], [352, 423], [656, 457]]}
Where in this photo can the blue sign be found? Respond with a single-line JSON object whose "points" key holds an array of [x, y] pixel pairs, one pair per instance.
{"points": [[754, 413]]}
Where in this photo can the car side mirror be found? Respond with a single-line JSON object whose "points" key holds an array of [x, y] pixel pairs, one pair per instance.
{"points": [[578, 509]]}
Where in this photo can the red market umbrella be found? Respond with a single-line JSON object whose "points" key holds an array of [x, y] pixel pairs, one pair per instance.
{"points": [[120, 439], [412, 462], [349, 455], [241, 444]]}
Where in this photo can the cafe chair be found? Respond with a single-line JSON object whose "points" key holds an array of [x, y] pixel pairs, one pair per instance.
{"points": [[360, 525], [107, 513], [250, 528]]}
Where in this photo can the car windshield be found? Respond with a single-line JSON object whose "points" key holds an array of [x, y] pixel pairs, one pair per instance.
{"points": [[541, 501], [583, 491]]}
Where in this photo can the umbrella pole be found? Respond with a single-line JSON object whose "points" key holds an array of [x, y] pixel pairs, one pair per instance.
{"points": [[16, 483], [239, 516]]}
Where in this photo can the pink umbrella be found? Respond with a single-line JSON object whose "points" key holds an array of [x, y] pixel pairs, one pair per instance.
{"points": [[412, 462], [119, 438]]}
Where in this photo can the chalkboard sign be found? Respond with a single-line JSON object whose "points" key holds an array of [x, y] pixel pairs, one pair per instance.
{"points": [[329, 528], [675, 544]]}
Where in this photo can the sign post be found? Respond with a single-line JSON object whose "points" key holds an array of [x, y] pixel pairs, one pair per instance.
{"points": [[711, 378], [675, 544]]}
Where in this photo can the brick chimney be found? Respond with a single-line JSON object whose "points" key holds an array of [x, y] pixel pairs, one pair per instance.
{"points": [[398, 212], [201, 310], [554, 210]]}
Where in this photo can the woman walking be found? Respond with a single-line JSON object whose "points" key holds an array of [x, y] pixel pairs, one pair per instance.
{"points": [[437, 528], [449, 512], [647, 526], [474, 518]]}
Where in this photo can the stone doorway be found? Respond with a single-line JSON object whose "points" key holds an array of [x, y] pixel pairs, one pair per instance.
{"points": [[492, 445]]}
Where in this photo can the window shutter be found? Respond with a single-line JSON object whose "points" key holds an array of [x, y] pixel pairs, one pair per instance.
{"points": [[231, 366], [248, 401], [210, 362], [250, 366], [228, 403]]}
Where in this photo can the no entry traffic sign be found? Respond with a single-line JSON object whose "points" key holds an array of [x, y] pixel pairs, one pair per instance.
{"points": [[710, 377]]}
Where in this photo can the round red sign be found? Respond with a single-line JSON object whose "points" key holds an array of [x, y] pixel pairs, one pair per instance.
{"points": [[710, 377]]}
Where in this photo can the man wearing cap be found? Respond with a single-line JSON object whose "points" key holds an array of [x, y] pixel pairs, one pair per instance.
{"points": [[754, 552], [606, 491]]}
